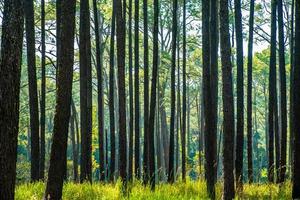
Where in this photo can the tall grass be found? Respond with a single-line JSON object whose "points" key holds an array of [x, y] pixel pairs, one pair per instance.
{"points": [[136, 191]]}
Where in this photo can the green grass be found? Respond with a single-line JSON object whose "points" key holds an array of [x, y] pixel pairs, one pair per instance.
{"points": [[188, 191]]}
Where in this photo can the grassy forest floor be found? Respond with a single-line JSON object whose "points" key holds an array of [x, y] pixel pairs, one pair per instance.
{"points": [[177, 191]]}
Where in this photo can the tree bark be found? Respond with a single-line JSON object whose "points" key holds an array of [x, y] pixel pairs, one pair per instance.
{"points": [[240, 99], [214, 41], [171, 174], [99, 69], [272, 89], [63, 101], [121, 34], [296, 110], [283, 100], [136, 91], [74, 145], [153, 96], [210, 135], [85, 93], [33, 94], [183, 132], [291, 87], [146, 92], [131, 119], [10, 71], [228, 108], [249, 93], [111, 94], [43, 93]]}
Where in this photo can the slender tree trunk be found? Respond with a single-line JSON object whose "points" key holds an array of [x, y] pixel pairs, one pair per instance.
{"points": [[291, 149], [99, 69], [10, 72], [153, 96], [272, 88], [228, 108], [76, 142], [277, 133], [131, 119], [74, 149], [210, 135], [171, 174], [146, 93], [183, 132], [43, 93], [240, 99], [214, 40], [121, 34], [136, 91], [85, 93], [33, 94], [63, 101], [249, 93], [283, 106], [111, 95], [178, 106], [296, 110], [164, 132]]}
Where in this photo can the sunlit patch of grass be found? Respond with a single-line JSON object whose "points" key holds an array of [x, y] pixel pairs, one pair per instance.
{"points": [[191, 190]]}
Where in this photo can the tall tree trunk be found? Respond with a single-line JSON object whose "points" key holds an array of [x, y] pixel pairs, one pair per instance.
{"points": [[210, 135], [111, 94], [296, 110], [249, 94], [228, 108], [153, 96], [171, 174], [131, 119], [85, 93], [214, 40], [121, 34], [99, 69], [183, 131], [43, 93], [136, 91], [63, 101], [33, 94], [146, 93], [283, 106], [10, 72], [178, 105], [272, 89], [291, 150], [240, 98]]}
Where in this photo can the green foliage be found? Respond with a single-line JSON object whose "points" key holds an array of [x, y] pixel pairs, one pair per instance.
{"points": [[136, 191]]}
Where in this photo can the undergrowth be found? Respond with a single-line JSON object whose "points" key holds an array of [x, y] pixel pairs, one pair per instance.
{"points": [[190, 190]]}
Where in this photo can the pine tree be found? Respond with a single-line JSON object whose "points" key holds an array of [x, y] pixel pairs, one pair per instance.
{"points": [[296, 110], [171, 174], [10, 72], [63, 101], [228, 108], [111, 94], [240, 99], [33, 94], [121, 34]]}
